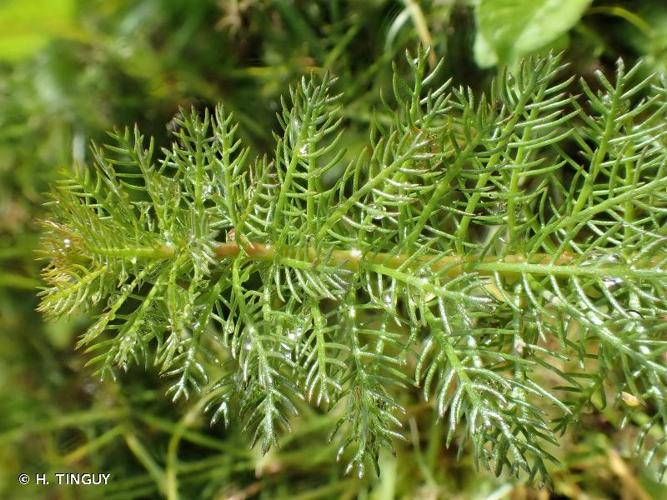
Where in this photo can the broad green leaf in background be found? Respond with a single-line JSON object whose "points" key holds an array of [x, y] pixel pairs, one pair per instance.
{"points": [[509, 29], [26, 25]]}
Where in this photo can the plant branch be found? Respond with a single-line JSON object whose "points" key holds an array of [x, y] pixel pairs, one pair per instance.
{"points": [[452, 266]]}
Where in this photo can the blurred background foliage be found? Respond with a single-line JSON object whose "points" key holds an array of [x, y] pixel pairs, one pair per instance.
{"points": [[72, 69]]}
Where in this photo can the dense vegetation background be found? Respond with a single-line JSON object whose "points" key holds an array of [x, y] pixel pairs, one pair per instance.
{"points": [[70, 70]]}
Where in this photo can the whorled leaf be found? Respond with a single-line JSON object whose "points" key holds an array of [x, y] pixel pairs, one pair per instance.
{"points": [[510, 247]]}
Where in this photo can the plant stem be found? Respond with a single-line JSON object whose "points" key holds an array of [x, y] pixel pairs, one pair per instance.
{"points": [[452, 265]]}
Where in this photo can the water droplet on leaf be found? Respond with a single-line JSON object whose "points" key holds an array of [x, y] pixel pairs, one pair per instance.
{"points": [[612, 282]]}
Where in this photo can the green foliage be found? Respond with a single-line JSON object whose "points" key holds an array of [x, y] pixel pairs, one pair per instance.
{"points": [[640, 28], [120, 62], [26, 28], [505, 253], [508, 29], [136, 62]]}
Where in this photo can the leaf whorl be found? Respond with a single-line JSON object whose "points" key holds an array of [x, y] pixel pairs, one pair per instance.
{"points": [[505, 253]]}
